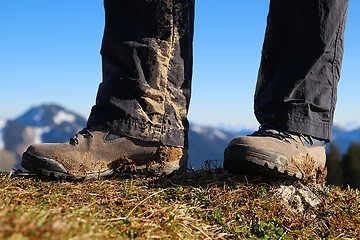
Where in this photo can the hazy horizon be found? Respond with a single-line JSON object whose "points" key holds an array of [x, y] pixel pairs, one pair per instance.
{"points": [[230, 126]]}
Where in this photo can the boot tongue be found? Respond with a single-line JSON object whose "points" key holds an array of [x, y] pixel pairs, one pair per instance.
{"points": [[112, 136], [96, 129], [312, 141]]}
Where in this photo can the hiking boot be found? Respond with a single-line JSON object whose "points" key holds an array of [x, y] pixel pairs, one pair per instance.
{"points": [[271, 152], [96, 153]]}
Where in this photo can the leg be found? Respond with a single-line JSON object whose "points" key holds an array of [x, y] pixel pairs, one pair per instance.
{"points": [[147, 69], [300, 65], [139, 123], [296, 90]]}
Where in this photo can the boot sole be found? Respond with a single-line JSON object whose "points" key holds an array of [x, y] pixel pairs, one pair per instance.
{"points": [[52, 168], [241, 159]]}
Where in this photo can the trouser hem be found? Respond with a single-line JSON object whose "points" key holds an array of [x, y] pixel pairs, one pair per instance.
{"points": [[146, 132], [321, 130]]}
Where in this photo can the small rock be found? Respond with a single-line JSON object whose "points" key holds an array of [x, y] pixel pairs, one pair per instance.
{"points": [[296, 196]]}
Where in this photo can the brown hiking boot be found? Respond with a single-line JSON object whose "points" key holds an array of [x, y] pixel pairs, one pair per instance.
{"points": [[95, 153], [271, 152]]}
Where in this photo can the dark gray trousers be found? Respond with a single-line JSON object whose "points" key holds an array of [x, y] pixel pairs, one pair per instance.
{"points": [[147, 68], [300, 65]]}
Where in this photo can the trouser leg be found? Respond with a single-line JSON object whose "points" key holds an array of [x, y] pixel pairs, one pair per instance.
{"points": [[300, 65], [147, 69]]}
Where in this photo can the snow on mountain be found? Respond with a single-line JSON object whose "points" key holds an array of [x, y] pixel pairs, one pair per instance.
{"points": [[238, 127], [34, 134], [63, 116], [2, 126], [211, 132], [2, 123], [207, 143], [353, 125]]}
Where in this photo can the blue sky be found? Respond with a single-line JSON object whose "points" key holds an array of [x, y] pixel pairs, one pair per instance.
{"points": [[49, 53]]}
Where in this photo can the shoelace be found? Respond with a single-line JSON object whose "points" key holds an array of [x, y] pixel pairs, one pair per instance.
{"points": [[266, 130], [86, 133], [271, 131]]}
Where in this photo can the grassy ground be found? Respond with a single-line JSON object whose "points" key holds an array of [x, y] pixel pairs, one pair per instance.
{"points": [[196, 205]]}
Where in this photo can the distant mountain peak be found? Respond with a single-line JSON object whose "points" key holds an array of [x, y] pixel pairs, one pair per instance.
{"points": [[49, 115], [49, 123]]}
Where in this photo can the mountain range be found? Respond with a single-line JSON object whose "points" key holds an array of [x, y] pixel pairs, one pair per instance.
{"points": [[53, 123]]}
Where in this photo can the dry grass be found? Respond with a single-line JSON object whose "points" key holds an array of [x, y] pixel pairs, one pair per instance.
{"points": [[195, 205]]}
